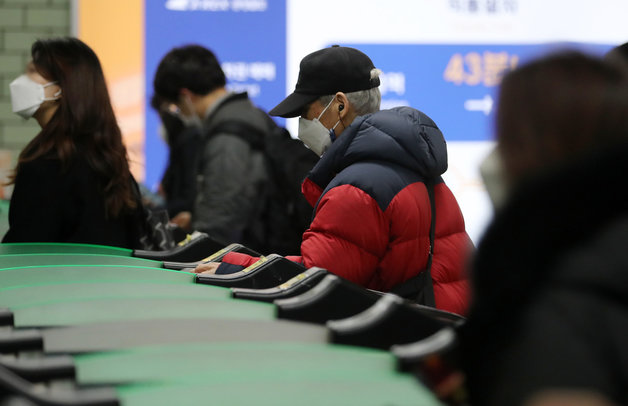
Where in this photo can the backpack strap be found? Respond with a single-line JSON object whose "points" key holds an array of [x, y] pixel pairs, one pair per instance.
{"points": [[420, 288], [239, 126], [429, 289], [254, 136]]}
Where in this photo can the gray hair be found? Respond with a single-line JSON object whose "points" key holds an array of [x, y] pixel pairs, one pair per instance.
{"points": [[363, 101]]}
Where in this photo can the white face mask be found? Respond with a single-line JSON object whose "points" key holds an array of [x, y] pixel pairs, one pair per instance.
{"points": [[192, 120], [27, 95], [315, 135]]}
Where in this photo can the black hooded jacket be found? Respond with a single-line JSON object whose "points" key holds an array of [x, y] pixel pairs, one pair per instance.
{"points": [[550, 287]]}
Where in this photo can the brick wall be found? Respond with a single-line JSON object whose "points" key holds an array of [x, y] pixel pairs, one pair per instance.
{"points": [[21, 23]]}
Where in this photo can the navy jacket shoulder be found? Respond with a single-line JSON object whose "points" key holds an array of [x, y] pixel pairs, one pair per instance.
{"points": [[383, 152]]}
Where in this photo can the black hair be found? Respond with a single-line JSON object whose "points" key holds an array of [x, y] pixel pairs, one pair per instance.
{"points": [[558, 108], [191, 67], [618, 56]]}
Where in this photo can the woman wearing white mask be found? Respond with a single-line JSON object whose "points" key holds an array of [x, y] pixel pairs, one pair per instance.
{"points": [[72, 181]]}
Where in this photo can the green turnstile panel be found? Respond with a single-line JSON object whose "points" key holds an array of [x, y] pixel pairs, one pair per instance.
{"points": [[32, 294], [17, 260], [383, 389], [62, 248], [240, 360], [40, 275], [69, 313]]}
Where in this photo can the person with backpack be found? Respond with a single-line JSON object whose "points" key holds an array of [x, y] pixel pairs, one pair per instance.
{"points": [[235, 182], [375, 189]]}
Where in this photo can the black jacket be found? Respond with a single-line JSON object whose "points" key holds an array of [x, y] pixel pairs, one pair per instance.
{"points": [[179, 180], [550, 287], [50, 204]]}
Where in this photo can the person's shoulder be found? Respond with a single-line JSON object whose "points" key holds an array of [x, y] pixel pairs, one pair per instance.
{"points": [[44, 166], [600, 260], [238, 106], [50, 168], [394, 118], [414, 115], [238, 118], [233, 102], [41, 175]]}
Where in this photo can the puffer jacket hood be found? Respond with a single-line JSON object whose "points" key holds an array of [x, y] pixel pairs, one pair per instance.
{"points": [[387, 136]]}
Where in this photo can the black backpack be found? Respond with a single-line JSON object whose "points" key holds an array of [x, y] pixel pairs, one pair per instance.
{"points": [[287, 214]]}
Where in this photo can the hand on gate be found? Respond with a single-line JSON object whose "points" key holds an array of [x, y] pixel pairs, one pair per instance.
{"points": [[207, 268]]}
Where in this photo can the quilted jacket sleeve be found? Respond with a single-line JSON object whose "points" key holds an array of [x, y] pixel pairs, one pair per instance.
{"points": [[347, 236]]}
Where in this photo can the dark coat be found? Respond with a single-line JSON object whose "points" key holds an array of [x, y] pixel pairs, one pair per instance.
{"points": [[50, 204], [231, 178], [179, 180], [550, 287], [178, 183]]}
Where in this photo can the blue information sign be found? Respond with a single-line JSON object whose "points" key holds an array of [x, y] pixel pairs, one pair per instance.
{"points": [[454, 84], [247, 36]]}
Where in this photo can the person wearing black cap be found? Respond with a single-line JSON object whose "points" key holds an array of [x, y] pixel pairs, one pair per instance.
{"points": [[372, 215], [337, 71]]}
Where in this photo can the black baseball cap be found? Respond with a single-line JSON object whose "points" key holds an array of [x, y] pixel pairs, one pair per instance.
{"points": [[325, 72]]}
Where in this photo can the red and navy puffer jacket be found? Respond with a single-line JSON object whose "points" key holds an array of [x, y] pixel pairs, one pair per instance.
{"points": [[372, 212]]}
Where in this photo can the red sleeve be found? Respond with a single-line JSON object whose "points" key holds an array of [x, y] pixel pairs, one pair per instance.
{"points": [[311, 191], [237, 258], [348, 235]]}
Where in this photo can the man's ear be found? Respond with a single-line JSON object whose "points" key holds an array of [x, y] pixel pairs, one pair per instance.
{"points": [[343, 104]]}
